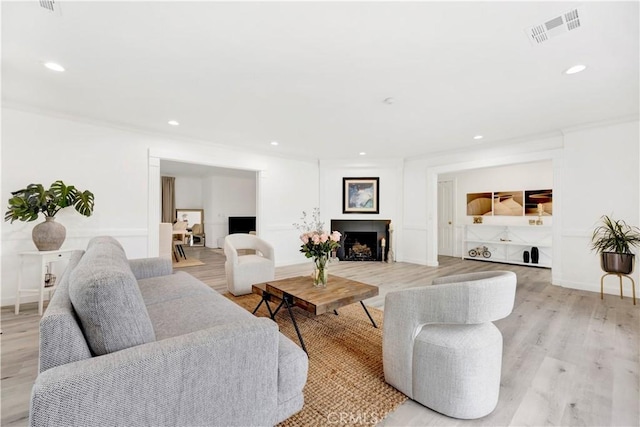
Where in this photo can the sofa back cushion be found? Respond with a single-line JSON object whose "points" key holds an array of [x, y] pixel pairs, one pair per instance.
{"points": [[105, 295], [61, 338]]}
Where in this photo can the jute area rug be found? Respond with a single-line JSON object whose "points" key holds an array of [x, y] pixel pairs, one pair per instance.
{"points": [[189, 262], [345, 385]]}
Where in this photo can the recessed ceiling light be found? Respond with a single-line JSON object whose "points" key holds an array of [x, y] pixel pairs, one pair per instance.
{"points": [[576, 69], [478, 137], [274, 143], [53, 66], [173, 123], [362, 153]]}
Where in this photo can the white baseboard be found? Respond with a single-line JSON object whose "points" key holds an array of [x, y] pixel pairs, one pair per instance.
{"points": [[417, 261], [611, 287], [296, 261], [11, 301]]}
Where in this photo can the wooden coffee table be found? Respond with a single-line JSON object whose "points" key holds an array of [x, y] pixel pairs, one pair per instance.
{"points": [[300, 292]]}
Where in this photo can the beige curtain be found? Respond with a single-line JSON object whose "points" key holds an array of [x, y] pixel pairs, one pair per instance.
{"points": [[168, 199]]}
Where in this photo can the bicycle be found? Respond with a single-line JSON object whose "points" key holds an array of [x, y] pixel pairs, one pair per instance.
{"points": [[480, 251]]}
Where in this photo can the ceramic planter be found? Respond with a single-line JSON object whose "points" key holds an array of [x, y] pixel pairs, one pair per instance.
{"points": [[49, 235]]}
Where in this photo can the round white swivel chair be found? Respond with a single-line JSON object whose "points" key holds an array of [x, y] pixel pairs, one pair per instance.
{"points": [[439, 345]]}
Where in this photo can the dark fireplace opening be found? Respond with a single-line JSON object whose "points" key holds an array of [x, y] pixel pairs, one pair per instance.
{"points": [[367, 232], [360, 245]]}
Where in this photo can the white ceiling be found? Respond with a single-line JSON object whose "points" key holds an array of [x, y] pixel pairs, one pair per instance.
{"points": [[313, 76]]}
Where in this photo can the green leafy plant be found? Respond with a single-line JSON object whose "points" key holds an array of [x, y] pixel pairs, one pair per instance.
{"points": [[614, 236], [27, 203]]}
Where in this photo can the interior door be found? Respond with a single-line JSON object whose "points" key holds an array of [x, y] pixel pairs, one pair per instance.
{"points": [[445, 218]]}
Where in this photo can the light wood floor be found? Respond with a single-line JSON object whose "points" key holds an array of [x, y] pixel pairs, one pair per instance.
{"points": [[569, 358]]}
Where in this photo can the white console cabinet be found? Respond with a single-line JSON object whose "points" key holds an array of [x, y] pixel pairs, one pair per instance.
{"points": [[508, 243]]}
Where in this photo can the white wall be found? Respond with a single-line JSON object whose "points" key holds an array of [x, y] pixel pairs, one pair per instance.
{"points": [[600, 177], [116, 165], [391, 192], [524, 176], [226, 196], [188, 191]]}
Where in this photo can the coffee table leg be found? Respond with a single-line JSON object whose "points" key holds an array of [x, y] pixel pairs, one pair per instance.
{"points": [[271, 314], [265, 299], [370, 318], [278, 308], [286, 298], [257, 306]]}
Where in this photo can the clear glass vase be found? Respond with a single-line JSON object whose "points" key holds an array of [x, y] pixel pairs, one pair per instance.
{"points": [[320, 272]]}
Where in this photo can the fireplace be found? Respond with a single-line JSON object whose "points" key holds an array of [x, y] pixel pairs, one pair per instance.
{"points": [[362, 239], [360, 245]]}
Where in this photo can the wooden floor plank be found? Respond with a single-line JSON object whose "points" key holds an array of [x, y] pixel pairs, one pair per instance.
{"points": [[546, 399]]}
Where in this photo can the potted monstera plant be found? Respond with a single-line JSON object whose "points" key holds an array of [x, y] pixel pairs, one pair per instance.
{"points": [[613, 240], [27, 204]]}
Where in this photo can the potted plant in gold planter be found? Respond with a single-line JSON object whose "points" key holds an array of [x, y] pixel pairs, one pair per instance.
{"points": [[613, 240], [27, 204]]}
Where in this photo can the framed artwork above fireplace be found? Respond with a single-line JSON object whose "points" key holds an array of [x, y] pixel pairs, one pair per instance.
{"points": [[361, 195]]}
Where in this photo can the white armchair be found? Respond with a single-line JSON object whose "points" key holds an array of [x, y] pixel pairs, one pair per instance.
{"points": [[439, 345], [244, 270]]}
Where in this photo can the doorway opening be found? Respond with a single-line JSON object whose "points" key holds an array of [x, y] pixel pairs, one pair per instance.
{"points": [[220, 191]]}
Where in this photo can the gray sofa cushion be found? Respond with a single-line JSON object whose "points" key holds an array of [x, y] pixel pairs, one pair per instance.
{"points": [[61, 339], [105, 295], [194, 313], [179, 304], [178, 285], [144, 268]]}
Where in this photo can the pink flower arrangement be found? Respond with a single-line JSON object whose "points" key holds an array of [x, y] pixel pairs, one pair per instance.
{"points": [[319, 243]]}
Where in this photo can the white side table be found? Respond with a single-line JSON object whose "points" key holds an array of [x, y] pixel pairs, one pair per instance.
{"points": [[46, 258]]}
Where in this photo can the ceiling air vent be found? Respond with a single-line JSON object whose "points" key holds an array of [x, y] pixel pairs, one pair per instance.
{"points": [[47, 4], [554, 27]]}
